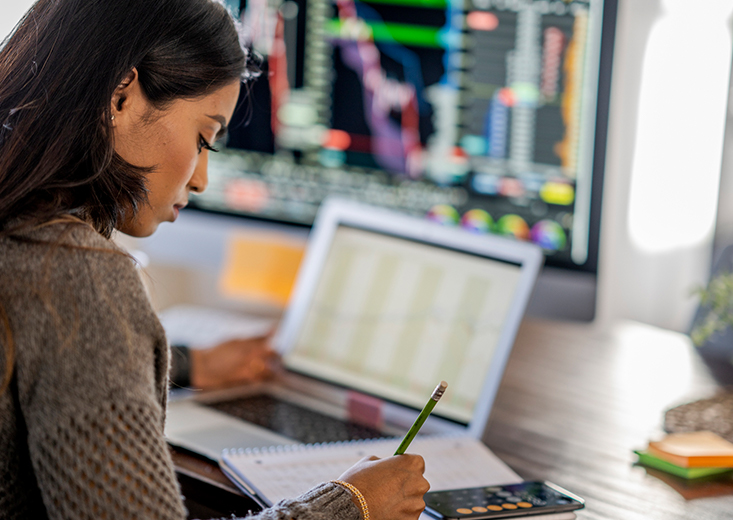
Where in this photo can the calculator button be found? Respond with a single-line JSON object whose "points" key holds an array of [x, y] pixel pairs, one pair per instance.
{"points": [[503, 494], [524, 504], [513, 500], [494, 508], [479, 509], [464, 511], [508, 506], [492, 489]]}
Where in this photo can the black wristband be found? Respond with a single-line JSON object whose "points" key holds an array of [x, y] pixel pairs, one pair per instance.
{"points": [[180, 375]]}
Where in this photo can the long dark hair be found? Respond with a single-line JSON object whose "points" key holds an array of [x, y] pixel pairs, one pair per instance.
{"points": [[58, 72]]}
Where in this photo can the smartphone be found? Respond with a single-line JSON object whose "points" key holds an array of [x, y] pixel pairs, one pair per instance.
{"points": [[507, 501]]}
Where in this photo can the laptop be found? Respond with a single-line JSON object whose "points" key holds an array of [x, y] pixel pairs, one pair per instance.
{"points": [[385, 306]]}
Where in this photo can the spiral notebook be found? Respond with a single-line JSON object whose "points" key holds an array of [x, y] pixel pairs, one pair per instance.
{"points": [[272, 474]]}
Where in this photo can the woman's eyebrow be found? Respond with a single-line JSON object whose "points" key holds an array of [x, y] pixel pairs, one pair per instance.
{"points": [[222, 122]]}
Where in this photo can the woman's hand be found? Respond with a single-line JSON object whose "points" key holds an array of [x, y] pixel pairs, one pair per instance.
{"points": [[238, 361], [393, 487]]}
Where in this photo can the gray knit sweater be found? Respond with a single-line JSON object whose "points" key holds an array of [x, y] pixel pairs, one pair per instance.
{"points": [[81, 425]]}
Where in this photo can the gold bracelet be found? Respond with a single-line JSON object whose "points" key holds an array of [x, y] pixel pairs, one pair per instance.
{"points": [[358, 495]]}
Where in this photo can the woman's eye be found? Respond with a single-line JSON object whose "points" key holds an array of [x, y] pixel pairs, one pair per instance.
{"points": [[204, 145]]}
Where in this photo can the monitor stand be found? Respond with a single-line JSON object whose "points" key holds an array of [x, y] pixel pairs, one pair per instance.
{"points": [[564, 295]]}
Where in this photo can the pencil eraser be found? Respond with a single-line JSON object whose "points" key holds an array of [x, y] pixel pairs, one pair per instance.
{"points": [[439, 390]]}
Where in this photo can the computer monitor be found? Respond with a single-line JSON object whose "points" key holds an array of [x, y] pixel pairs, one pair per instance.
{"points": [[486, 114]]}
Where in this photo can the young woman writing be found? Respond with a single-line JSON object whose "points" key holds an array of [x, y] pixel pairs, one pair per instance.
{"points": [[108, 111]]}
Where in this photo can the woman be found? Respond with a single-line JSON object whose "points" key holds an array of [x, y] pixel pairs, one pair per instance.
{"points": [[108, 111]]}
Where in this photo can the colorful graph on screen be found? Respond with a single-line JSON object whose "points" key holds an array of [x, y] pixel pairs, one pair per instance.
{"points": [[486, 107]]}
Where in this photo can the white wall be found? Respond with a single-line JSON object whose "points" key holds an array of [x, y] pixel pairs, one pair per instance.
{"points": [[10, 13], [724, 230], [669, 93]]}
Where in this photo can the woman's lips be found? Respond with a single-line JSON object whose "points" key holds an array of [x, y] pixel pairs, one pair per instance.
{"points": [[177, 208]]}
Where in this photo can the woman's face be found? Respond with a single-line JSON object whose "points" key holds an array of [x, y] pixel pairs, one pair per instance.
{"points": [[174, 142]]}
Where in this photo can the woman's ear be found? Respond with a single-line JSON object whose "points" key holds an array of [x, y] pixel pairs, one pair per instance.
{"points": [[128, 109], [126, 96]]}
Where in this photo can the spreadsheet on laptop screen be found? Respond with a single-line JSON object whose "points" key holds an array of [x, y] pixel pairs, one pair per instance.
{"points": [[393, 317]]}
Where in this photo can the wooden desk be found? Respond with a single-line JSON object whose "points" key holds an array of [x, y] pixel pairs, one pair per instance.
{"points": [[577, 399], [575, 402]]}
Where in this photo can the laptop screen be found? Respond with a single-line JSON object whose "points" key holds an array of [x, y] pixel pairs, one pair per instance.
{"points": [[392, 317]]}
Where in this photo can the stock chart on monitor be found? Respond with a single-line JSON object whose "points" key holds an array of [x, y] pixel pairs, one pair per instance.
{"points": [[474, 113]]}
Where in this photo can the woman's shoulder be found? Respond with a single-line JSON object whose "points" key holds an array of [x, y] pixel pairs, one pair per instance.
{"points": [[62, 231], [66, 259], [64, 277], [58, 242]]}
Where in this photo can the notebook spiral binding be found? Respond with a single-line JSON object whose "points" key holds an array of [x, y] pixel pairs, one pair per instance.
{"points": [[292, 448], [299, 447]]}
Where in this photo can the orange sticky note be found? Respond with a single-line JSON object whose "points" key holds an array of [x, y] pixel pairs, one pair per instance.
{"points": [[261, 267], [701, 449]]}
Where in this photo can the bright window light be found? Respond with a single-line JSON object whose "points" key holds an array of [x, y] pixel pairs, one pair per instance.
{"points": [[682, 110]]}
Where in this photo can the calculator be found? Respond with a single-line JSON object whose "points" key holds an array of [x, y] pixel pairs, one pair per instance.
{"points": [[505, 501]]}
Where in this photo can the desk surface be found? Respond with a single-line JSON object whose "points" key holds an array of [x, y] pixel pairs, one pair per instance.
{"points": [[574, 403]]}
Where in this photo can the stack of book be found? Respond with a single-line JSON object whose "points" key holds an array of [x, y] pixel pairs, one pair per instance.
{"points": [[689, 455]]}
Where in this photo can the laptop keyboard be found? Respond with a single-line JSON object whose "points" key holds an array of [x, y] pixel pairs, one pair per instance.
{"points": [[294, 421]]}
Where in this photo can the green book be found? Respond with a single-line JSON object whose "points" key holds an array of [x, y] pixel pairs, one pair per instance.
{"points": [[647, 459]]}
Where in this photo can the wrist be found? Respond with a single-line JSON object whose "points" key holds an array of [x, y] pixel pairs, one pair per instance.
{"points": [[196, 368], [356, 497]]}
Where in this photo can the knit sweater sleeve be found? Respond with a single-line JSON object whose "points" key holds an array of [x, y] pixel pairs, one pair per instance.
{"points": [[324, 502]]}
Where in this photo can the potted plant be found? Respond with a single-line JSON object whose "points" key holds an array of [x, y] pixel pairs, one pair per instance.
{"points": [[712, 334]]}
